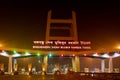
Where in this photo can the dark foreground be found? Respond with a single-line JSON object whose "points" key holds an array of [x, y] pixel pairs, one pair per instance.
{"points": [[74, 76]]}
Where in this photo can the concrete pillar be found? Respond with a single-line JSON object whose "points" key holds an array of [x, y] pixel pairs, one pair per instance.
{"points": [[76, 64], [110, 65], [102, 65], [10, 64], [74, 25], [44, 65], [48, 25], [73, 64]]}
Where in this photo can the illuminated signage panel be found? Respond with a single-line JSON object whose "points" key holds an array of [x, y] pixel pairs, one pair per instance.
{"points": [[62, 45]]}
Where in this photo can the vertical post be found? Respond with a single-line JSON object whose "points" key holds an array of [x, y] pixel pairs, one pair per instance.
{"points": [[110, 65], [76, 64], [10, 64], [48, 25], [102, 65], [73, 64], [74, 25]]}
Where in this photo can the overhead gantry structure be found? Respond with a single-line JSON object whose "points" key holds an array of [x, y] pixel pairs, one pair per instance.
{"points": [[91, 53]]}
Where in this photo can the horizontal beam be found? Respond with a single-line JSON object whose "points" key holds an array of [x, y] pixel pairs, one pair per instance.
{"points": [[59, 38], [67, 28], [61, 20], [62, 51]]}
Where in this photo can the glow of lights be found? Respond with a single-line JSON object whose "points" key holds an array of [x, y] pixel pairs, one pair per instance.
{"points": [[4, 53], [116, 54], [95, 54], [106, 55], [29, 69], [43, 69], [118, 47], [38, 54], [16, 55], [50, 55], [27, 54], [85, 54], [14, 52], [1, 45], [73, 55], [62, 55]]}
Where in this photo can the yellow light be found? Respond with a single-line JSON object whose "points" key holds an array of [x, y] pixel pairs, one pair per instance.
{"points": [[118, 47], [1, 45], [43, 69]]}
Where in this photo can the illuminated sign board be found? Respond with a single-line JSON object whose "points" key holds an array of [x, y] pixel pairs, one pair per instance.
{"points": [[62, 45]]}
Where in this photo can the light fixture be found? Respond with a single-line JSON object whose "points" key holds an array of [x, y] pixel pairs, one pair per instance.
{"points": [[38, 54], [105, 55], [4, 53], [85, 54], [73, 55], [50, 55], [62, 55], [16, 55], [116, 54], [95, 55], [14, 51], [27, 54]]}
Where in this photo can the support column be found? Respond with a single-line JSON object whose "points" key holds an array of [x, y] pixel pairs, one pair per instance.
{"points": [[102, 65], [44, 65], [110, 65], [76, 64], [48, 25], [10, 64], [74, 25], [73, 64]]}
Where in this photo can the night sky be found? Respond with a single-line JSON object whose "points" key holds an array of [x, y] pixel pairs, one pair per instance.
{"points": [[21, 22]]}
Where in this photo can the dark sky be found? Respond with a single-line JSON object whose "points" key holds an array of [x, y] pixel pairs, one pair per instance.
{"points": [[21, 22]]}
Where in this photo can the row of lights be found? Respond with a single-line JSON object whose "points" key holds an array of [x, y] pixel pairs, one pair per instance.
{"points": [[62, 55], [106, 55], [16, 54]]}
